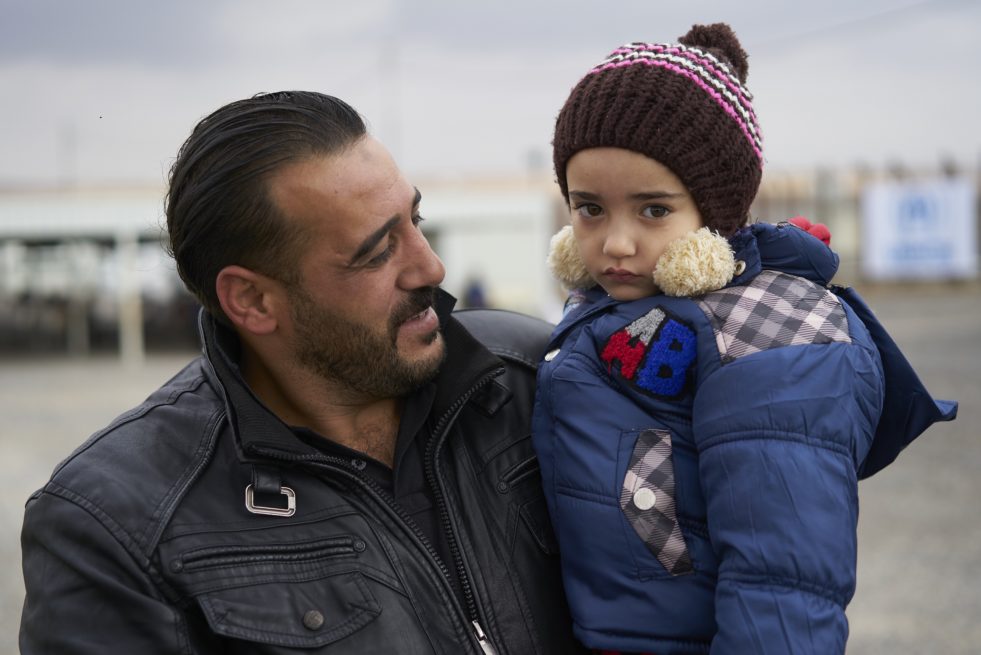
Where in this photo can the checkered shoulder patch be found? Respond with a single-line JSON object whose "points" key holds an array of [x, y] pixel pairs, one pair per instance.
{"points": [[774, 310]]}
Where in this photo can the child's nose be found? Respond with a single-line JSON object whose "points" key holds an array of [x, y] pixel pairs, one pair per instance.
{"points": [[619, 244]]}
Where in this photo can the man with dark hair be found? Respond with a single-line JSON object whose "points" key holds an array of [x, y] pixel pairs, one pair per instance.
{"points": [[347, 468]]}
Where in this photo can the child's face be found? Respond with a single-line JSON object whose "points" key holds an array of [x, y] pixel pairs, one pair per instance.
{"points": [[626, 208]]}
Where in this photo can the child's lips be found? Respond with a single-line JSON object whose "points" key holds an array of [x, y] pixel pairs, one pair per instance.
{"points": [[620, 275]]}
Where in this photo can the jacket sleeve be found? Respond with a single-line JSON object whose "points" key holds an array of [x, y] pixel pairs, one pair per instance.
{"points": [[779, 435], [86, 592]]}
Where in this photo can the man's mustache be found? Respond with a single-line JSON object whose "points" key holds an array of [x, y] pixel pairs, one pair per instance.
{"points": [[418, 301]]}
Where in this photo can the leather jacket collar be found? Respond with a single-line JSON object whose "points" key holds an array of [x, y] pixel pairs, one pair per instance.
{"points": [[255, 427]]}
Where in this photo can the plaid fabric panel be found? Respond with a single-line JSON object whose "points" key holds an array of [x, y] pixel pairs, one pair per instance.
{"points": [[647, 500], [774, 310]]}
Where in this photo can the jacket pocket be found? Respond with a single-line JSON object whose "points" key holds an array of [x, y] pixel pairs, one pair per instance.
{"points": [[534, 515], [309, 614], [647, 500], [252, 555], [518, 472]]}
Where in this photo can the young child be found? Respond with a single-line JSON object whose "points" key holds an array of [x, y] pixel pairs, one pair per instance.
{"points": [[705, 412]]}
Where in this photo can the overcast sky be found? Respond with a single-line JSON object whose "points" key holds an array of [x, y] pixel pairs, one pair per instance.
{"points": [[105, 91]]}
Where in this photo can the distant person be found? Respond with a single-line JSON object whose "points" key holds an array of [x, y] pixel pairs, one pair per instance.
{"points": [[708, 404], [475, 295], [347, 467]]}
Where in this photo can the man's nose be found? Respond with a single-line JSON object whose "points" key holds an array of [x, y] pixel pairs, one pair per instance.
{"points": [[423, 268]]}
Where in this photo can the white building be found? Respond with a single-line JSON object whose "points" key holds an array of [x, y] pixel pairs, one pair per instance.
{"points": [[102, 250]]}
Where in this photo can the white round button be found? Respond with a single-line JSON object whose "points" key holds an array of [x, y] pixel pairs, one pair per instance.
{"points": [[645, 498], [550, 355]]}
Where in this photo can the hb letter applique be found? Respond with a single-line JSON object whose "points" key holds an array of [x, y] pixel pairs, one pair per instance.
{"points": [[653, 352]]}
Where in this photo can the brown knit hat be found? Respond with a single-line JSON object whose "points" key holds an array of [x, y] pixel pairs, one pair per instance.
{"points": [[684, 105]]}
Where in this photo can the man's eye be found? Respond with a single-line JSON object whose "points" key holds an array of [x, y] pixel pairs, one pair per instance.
{"points": [[383, 256], [417, 218]]}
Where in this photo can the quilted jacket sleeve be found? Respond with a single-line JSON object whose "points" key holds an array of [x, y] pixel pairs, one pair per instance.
{"points": [[780, 434], [86, 594]]}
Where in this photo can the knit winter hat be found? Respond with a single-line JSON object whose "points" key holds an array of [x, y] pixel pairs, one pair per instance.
{"points": [[684, 105]]}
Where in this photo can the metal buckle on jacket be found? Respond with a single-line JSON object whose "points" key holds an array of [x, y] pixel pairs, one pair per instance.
{"points": [[289, 510]]}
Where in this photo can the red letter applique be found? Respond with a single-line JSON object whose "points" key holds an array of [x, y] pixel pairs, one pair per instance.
{"points": [[654, 352], [619, 349]]}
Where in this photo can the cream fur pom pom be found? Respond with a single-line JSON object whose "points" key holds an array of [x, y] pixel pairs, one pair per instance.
{"points": [[566, 263], [695, 264]]}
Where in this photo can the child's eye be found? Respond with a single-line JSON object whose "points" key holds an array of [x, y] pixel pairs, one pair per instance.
{"points": [[588, 210], [655, 211]]}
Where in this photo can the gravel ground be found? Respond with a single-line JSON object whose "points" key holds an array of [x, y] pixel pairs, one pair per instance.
{"points": [[919, 573]]}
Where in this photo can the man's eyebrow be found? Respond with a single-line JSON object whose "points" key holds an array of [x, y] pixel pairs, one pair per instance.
{"points": [[375, 237]]}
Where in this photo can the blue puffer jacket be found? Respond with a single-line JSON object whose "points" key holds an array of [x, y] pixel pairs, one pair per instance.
{"points": [[701, 456]]}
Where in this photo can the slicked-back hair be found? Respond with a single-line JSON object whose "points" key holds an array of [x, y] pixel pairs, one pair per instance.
{"points": [[218, 208]]}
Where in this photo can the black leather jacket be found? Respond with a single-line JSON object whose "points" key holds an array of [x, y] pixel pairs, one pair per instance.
{"points": [[142, 542]]}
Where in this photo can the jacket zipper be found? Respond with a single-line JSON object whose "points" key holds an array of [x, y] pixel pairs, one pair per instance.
{"points": [[432, 476], [344, 467]]}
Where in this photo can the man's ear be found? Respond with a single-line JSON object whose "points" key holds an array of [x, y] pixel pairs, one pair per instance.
{"points": [[250, 300]]}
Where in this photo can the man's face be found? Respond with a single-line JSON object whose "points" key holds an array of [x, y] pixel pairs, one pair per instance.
{"points": [[361, 310]]}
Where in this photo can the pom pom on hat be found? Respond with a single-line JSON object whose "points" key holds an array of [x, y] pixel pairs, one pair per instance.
{"points": [[719, 39]]}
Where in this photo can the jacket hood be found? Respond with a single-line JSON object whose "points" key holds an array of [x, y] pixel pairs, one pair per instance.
{"points": [[908, 409], [787, 248]]}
